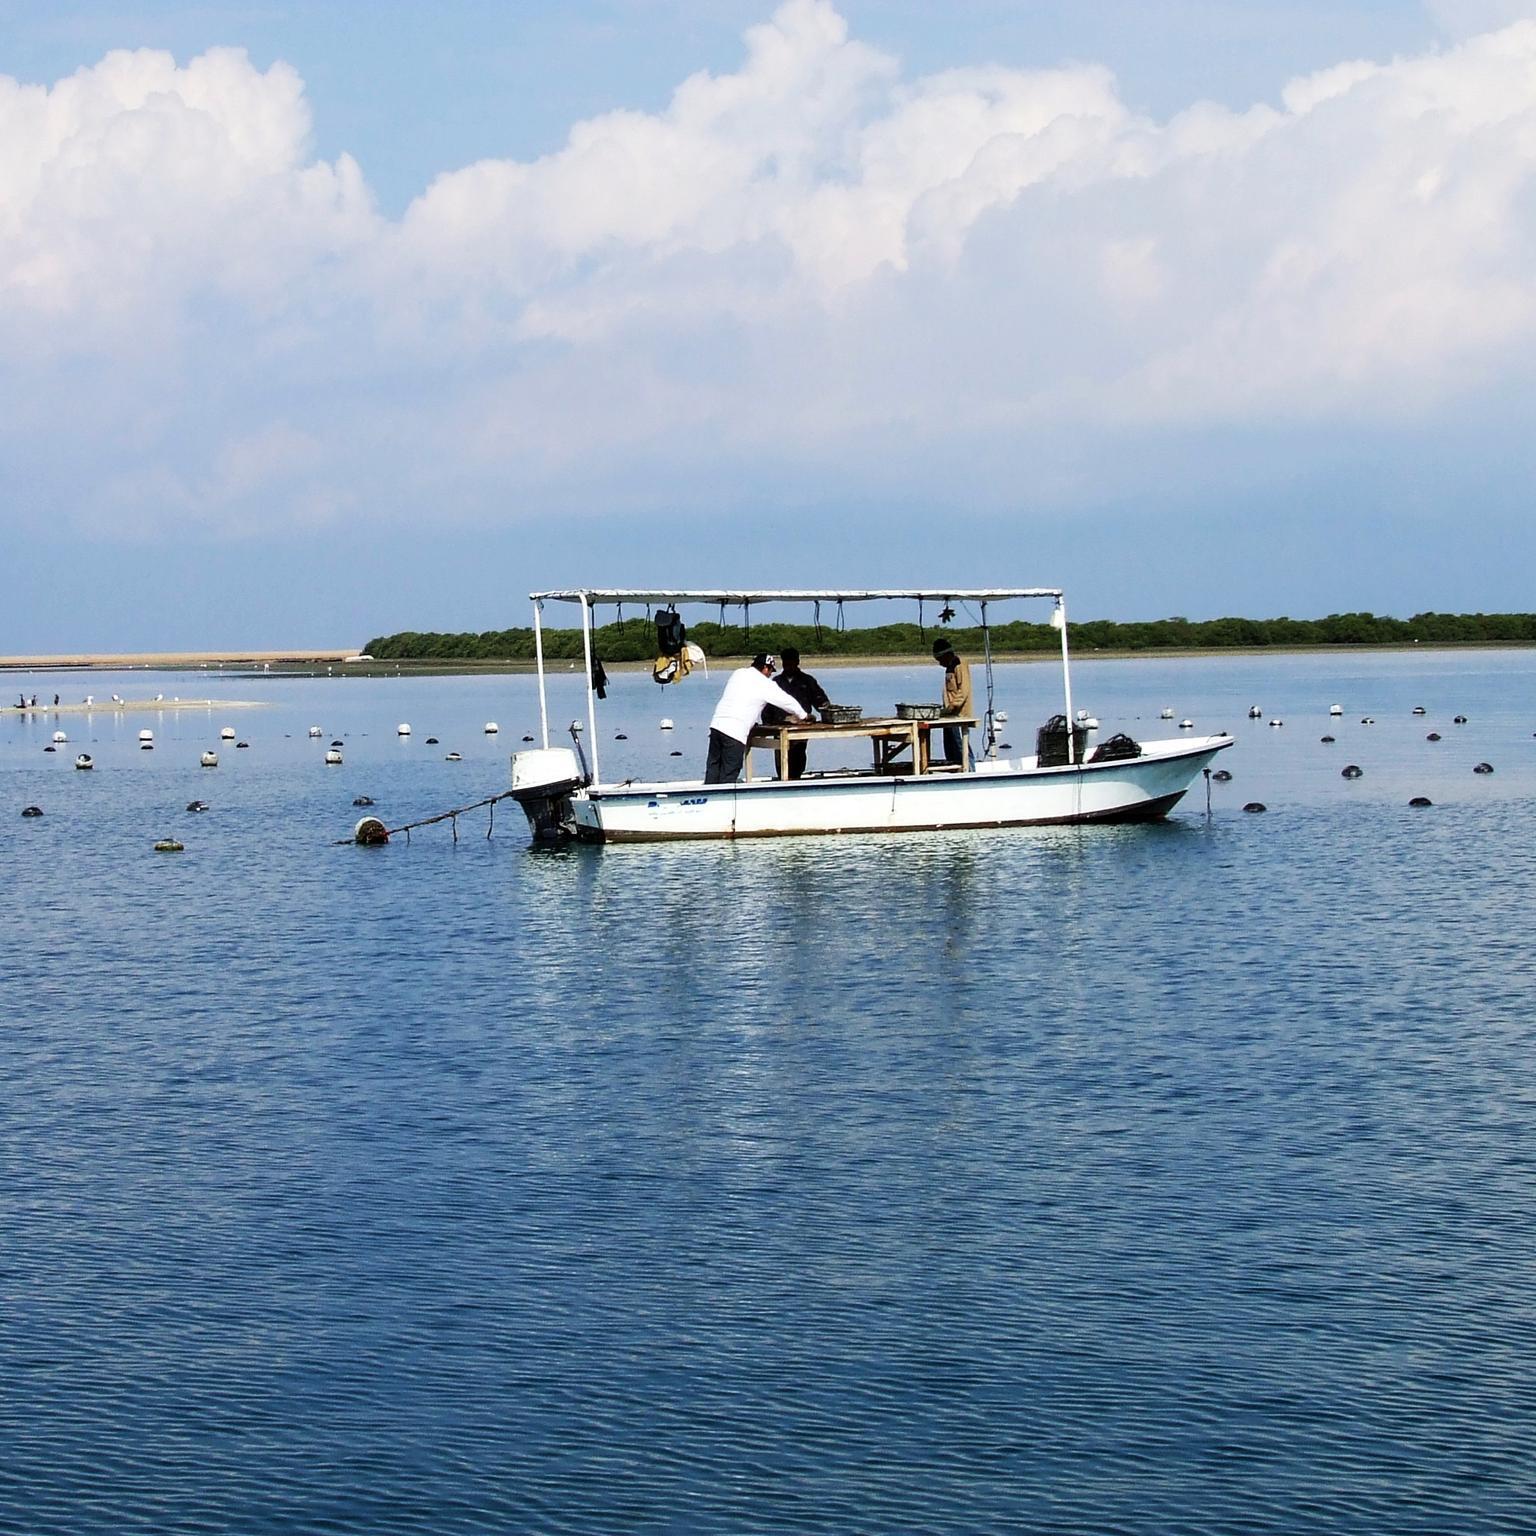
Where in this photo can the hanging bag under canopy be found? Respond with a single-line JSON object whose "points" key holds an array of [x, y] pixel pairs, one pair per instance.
{"points": [[671, 632], [673, 669]]}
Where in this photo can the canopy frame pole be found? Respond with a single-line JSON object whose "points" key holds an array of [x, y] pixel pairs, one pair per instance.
{"points": [[586, 646], [990, 744], [538, 656], [1066, 679]]}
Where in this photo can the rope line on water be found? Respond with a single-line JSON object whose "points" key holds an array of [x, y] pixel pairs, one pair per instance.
{"points": [[453, 816]]}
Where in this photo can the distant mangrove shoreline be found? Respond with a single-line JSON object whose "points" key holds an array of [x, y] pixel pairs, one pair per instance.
{"points": [[634, 639]]}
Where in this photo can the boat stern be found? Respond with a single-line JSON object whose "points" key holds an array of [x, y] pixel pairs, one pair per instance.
{"points": [[544, 780]]}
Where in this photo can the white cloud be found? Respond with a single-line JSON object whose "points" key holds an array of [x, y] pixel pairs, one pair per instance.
{"points": [[136, 186], [811, 259]]}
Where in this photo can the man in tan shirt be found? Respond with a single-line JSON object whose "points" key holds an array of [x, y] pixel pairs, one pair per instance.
{"points": [[957, 695]]}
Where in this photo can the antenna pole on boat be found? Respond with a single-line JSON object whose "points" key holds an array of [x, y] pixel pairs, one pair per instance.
{"points": [[1059, 619], [586, 646], [538, 656]]}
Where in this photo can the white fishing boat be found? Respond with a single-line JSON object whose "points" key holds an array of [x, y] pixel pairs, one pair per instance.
{"points": [[904, 788]]}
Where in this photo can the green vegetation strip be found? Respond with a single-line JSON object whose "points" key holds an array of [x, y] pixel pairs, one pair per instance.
{"points": [[634, 639]]}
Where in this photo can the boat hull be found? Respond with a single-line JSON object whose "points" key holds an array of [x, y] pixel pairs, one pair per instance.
{"points": [[1003, 794]]}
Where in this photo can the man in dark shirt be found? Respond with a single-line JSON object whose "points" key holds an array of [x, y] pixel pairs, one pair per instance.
{"points": [[806, 692]]}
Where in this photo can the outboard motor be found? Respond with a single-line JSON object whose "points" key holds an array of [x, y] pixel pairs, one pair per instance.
{"points": [[542, 783]]}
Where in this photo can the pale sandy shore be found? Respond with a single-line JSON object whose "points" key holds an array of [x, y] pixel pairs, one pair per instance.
{"points": [[123, 706], [108, 662]]}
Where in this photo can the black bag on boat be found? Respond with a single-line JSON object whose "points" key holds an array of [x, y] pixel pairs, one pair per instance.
{"points": [[599, 678], [1051, 742], [1116, 749], [671, 632]]}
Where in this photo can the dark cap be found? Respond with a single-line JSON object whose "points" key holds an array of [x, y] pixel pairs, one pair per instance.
{"points": [[943, 647], [764, 662]]}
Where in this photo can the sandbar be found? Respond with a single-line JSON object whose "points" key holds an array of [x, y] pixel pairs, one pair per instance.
{"points": [[123, 706], [166, 660]]}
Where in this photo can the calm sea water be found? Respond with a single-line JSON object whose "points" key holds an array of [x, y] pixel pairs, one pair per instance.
{"points": [[1145, 1180]]}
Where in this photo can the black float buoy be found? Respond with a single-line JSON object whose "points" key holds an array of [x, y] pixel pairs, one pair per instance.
{"points": [[1327, 741], [1222, 776], [335, 743], [1353, 771], [1255, 807], [1459, 720], [240, 744], [363, 800], [527, 738], [621, 737], [431, 741], [1433, 736], [50, 748], [675, 754], [32, 810], [197, 805], [1483, 768], [1420, 801], [1418, 709]]}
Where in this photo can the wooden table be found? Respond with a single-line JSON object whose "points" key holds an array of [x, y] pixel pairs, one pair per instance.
{"points": [[889, 736]]}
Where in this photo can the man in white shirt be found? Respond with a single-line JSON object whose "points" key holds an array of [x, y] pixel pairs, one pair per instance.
{"points": [[749, 692]]}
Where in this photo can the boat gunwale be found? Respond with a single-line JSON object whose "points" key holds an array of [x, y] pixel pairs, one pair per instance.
{"points": [[867, 780]]}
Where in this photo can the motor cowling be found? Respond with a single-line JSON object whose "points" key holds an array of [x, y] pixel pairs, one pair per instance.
{"points": [[543, 781]]}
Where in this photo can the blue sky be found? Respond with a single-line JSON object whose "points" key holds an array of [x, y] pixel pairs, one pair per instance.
{"points": [[322, 321]]}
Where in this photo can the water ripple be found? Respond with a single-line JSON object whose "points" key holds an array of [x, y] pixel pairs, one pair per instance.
{"points": [[1164, 1179]]}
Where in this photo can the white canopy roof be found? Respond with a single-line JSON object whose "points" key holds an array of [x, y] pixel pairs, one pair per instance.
{"points": [[796, 595]]}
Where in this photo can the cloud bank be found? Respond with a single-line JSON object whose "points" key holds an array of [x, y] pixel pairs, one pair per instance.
{"points": [[811, 268]]}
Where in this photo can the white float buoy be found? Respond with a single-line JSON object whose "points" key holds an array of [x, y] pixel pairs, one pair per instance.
{"points": [[370, 830], [403, 729], [1000, 716], [209, 759], [146, 735], [1335, 709], [84, 761], [60, 736], [315, 730], [1254, 712], [1277, 722], [666, 724], [227, 734], [491, 727], [1167, 714], [454, 757], [332, 756], [1186, 725]]}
